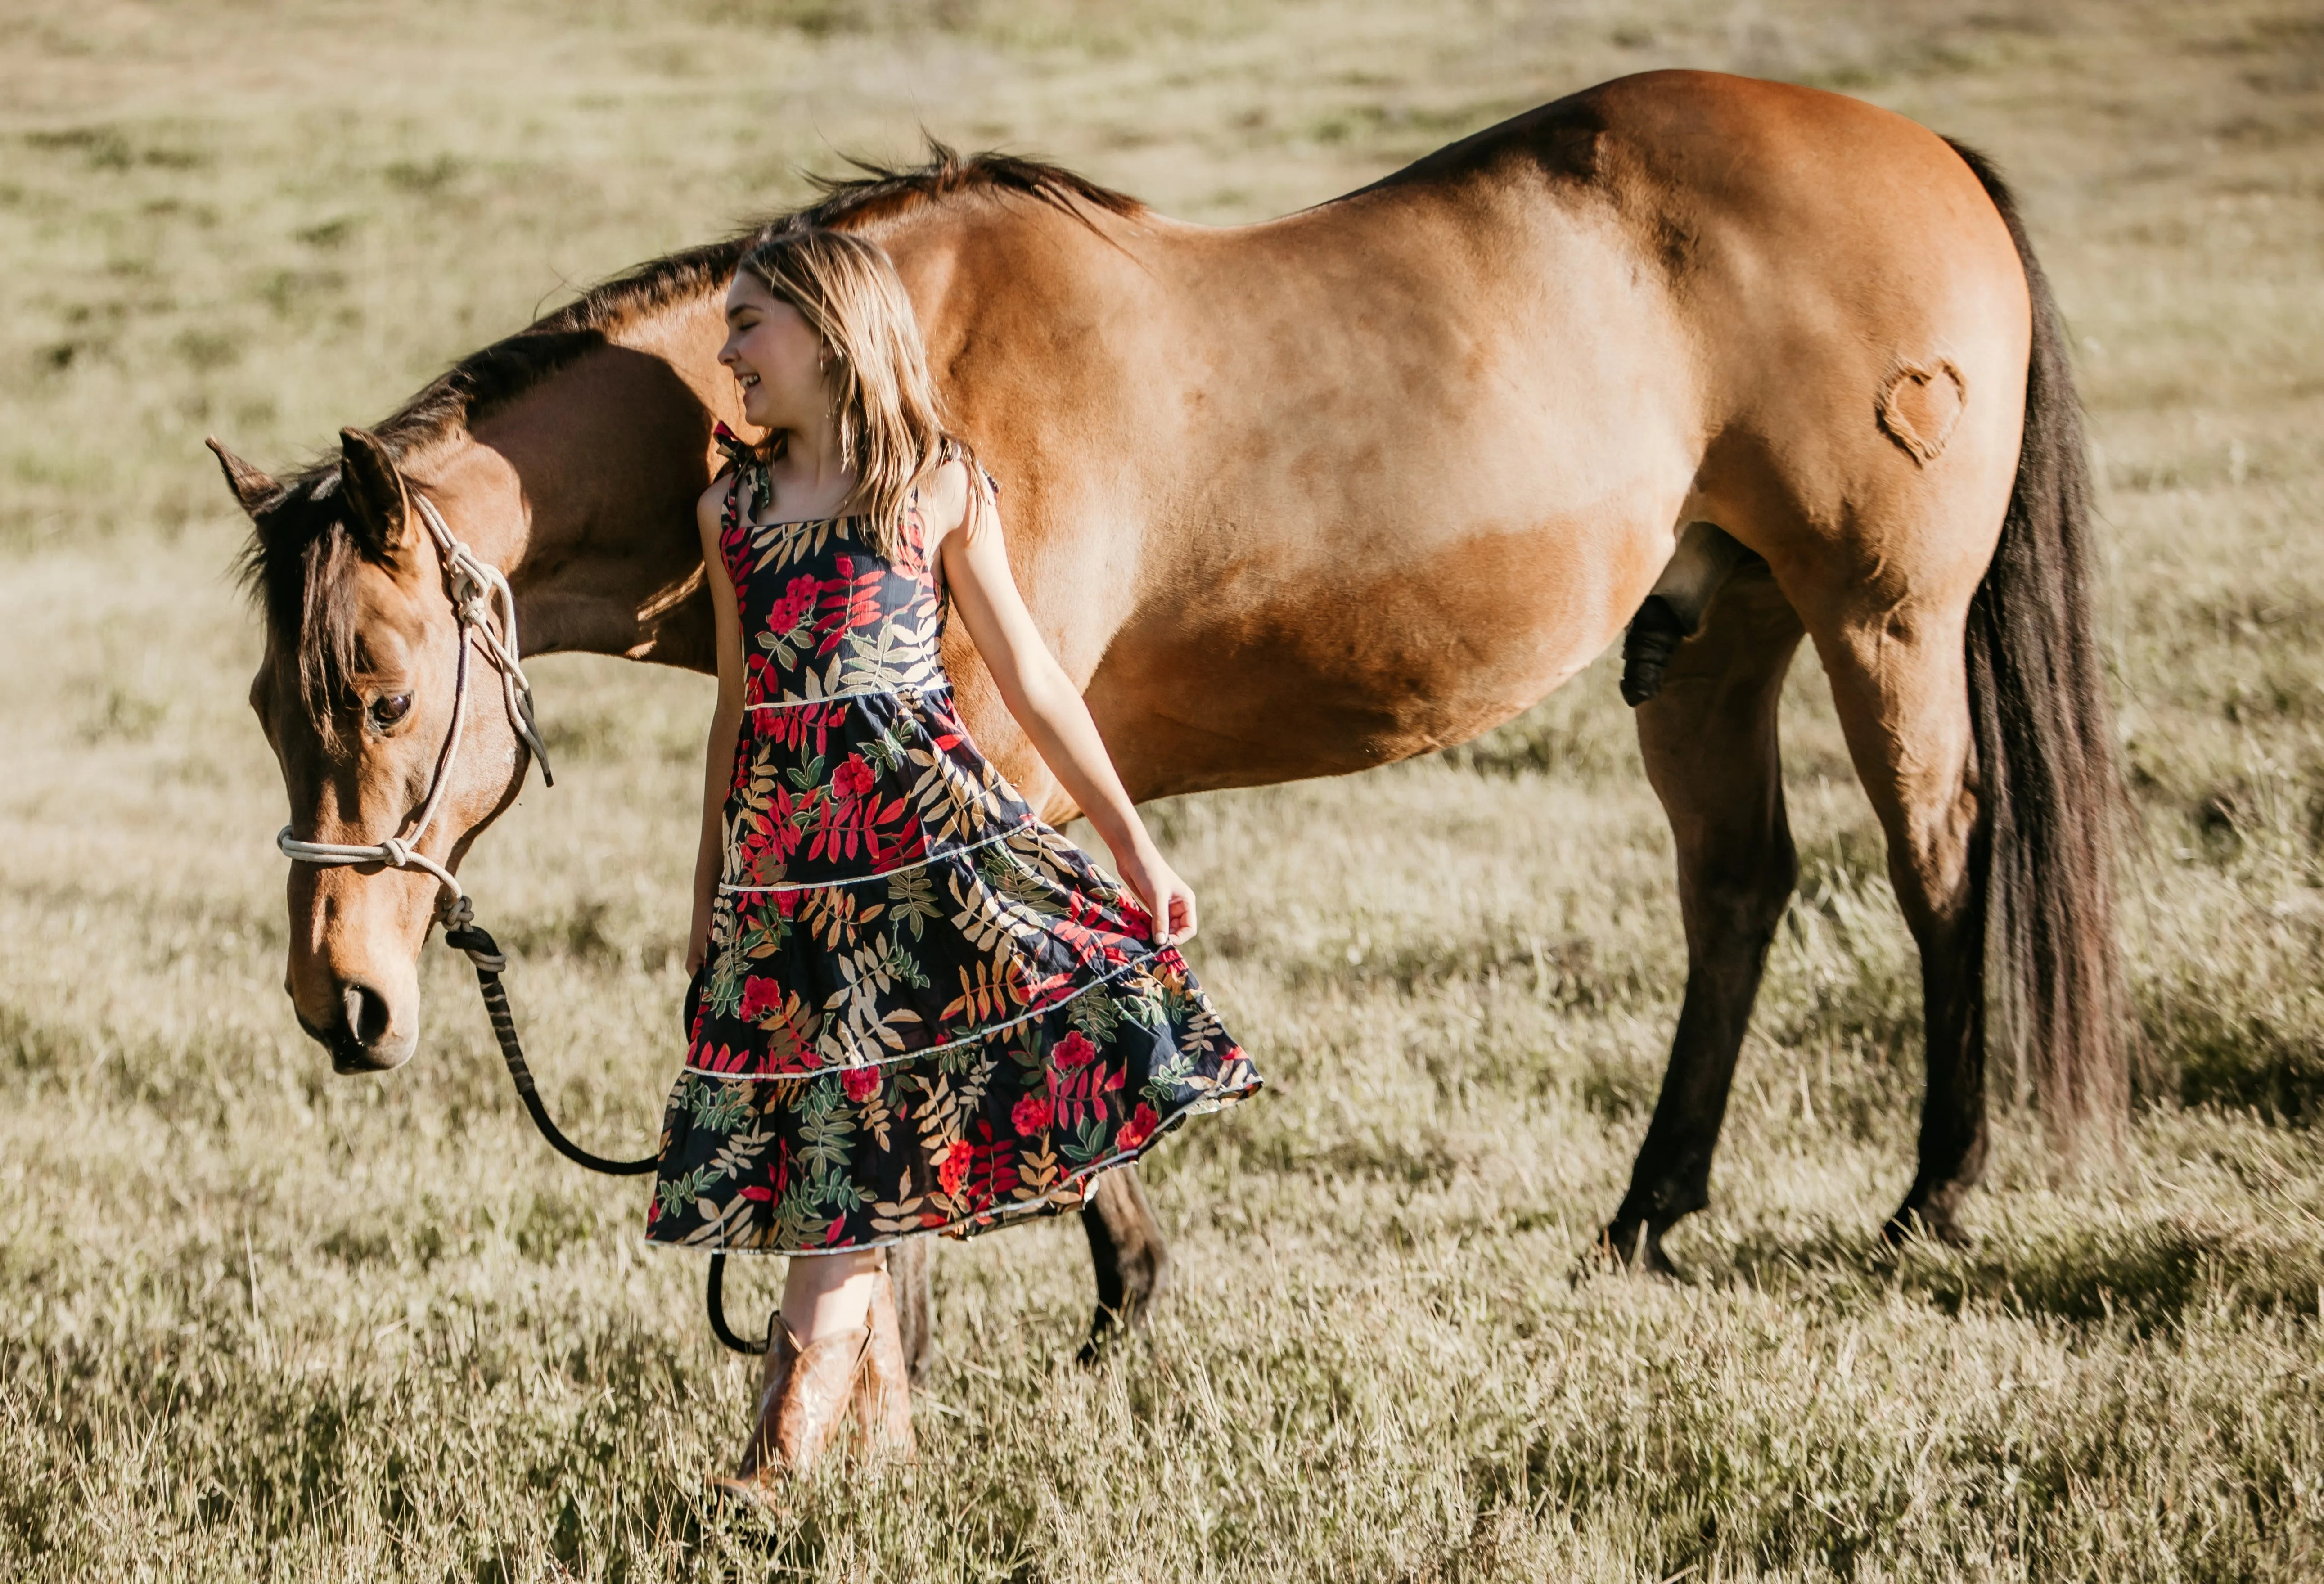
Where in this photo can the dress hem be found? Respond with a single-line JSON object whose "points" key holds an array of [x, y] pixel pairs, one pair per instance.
{"points": [[984, 1221]]}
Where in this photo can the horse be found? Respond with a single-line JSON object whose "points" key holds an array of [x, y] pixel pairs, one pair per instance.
{"points": [[1748, 362]]}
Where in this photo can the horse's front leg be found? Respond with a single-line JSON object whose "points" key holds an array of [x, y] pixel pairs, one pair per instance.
{"points": [[1133, 1264]]}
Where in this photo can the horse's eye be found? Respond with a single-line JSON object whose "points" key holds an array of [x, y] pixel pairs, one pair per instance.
{"points": [[388, 709]]}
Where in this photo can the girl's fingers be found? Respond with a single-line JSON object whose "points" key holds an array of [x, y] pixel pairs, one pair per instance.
{"points": [[1181, 916]]}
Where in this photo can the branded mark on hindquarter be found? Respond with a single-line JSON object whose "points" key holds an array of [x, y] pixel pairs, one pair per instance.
{"points": [[1920, 405]]}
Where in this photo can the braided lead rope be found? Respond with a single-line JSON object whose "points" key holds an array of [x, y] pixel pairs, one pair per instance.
{"points": [[484, 608], [485, 954], [715, 1299]]}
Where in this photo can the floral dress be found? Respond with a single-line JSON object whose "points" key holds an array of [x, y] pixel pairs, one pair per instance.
{"points": [[923, 1009]]}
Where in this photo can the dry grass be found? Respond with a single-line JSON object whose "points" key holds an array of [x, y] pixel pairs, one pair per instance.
{"points": [[256, 1321]]}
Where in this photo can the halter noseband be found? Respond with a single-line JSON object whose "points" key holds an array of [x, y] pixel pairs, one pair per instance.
{"points": [[485, 610]]}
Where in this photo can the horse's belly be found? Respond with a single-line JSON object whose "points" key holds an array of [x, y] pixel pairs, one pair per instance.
{"points": [[1358, 671]]}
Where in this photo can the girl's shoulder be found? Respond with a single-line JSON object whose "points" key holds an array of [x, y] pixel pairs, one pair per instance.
{"points": [[951, 493], [943, 493]]}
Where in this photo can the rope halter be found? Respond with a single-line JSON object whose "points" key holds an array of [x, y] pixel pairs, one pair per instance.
{"points": [[485, 610]]}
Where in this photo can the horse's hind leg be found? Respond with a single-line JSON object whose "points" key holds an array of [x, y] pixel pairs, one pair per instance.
{"points": [[1126, 1245], [909, 1271], [1709, 736], [1899, 680]]}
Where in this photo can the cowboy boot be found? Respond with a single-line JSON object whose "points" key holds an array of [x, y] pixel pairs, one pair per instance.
{"points": [[803, 1395], [883, 1391]]}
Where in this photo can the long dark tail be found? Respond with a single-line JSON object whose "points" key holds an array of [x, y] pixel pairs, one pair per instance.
{"points": [[2045, 751]]}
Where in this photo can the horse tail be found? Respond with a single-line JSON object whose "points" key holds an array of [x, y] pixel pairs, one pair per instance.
{"points": [[2045, 752]]}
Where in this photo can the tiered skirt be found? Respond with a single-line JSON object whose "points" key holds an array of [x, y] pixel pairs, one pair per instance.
{"points": [[922, 1008]]}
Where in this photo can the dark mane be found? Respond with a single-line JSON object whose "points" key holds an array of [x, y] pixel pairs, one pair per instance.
{"points": [[878, 191], [294, 563]]}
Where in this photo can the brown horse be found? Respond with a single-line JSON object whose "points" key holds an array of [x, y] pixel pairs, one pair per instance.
{"points": [[1299, 498]]}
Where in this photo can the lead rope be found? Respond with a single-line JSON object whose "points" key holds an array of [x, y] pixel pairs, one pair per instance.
{"points": [[482, 951], [485, 610]]}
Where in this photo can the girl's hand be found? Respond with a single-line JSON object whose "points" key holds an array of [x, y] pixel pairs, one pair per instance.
{"points": [[1169, 899]]}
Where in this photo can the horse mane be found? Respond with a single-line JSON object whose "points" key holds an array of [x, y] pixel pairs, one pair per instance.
{"points": [[294, 562]]}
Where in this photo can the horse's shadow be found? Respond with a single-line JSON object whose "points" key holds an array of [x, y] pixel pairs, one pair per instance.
{"points": [[2148, 1274]]}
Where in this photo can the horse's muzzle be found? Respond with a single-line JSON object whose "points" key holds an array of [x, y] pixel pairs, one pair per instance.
{"points": [[363, 1038]]}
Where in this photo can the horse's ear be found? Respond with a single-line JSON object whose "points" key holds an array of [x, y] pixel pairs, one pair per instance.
{"points": [[253, 488], [379, 510]]}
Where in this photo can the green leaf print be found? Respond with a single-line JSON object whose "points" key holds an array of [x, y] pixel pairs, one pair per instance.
{"points": [[766, 937], [1171, 1075], [1094, 1012], [794, 1224], [825, 1131], [912, 901], [1007, 872], [1142, 1000], [1087, 1142], [722, 994], [903, 967], [841, 1193], [679, 1193], [884, 751], [719, 1105]]}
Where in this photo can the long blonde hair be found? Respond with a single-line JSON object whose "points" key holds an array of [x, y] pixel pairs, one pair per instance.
{"points": [[891, 419]]}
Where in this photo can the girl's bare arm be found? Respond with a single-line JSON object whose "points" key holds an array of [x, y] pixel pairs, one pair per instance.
{"points": [[1044, 699]]}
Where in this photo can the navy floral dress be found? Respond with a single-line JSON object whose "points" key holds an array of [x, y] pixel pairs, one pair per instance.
{"points": [[923, 1009]]}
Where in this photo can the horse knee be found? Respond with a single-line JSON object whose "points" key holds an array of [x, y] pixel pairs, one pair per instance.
{"points": [[1741, 893], [1932, 855]]}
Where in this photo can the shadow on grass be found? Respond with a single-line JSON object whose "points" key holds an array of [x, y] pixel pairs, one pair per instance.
{"points": [[2212, 1055], [2149, 1275]]}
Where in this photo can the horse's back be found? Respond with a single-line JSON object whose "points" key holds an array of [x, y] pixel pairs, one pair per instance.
{"points": [[1334, 489]]}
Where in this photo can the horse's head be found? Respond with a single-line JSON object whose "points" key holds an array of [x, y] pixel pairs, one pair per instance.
{"points": [[357, 695]]}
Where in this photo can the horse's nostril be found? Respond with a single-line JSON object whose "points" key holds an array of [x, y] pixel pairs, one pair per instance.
{"points": [[366, 1013]]}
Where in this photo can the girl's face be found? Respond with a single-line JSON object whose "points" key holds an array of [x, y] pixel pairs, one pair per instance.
{"points": [[776, 357]]}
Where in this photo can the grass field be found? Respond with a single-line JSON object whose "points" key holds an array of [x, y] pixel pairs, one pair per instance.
{"points": [[256, 1321]]}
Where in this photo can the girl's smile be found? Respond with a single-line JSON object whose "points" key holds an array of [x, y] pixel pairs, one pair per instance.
{"points": [[776, 357]]}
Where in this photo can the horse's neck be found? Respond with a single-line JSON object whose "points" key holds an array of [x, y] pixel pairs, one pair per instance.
{"points": [[583, 488]]}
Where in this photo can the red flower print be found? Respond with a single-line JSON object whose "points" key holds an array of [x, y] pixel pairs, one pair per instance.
{"points": [[852, 779], [848, 773], [788, 612], [1141, 1128], [759, 996]]}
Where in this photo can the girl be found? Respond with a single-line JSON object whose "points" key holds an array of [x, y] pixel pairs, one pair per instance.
{"points": [[914, 1007]]}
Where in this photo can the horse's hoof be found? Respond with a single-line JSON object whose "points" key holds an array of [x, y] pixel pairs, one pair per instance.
{"points": [[743, 1490], [1638, 1247], [1938, 1226]]}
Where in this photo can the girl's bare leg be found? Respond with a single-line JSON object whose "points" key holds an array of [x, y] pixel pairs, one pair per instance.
{"points": [[824, 1294]]}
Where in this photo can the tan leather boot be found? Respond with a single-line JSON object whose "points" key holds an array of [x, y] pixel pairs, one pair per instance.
{"points": [[804, 1392], [883, 1391]]}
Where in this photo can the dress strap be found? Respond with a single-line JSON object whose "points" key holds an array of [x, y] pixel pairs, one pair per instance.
{"points": [[749, 468]]}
